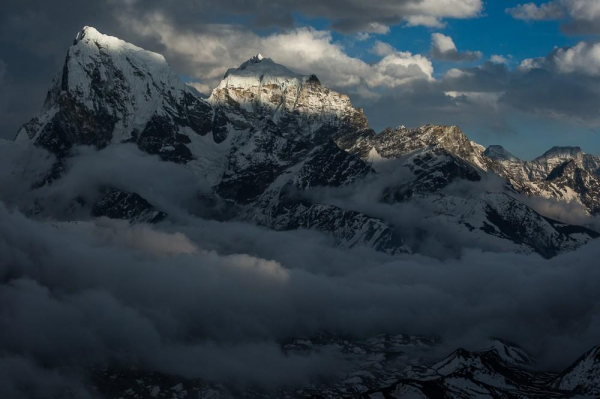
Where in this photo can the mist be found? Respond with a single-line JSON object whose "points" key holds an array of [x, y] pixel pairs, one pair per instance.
{"points": [[213, 300]]}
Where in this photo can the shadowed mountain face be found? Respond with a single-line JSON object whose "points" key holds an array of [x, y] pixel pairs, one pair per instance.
{"points": [[268, 139]]}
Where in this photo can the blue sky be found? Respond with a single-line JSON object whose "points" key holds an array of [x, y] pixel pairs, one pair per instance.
{"points": [[494, 33]]}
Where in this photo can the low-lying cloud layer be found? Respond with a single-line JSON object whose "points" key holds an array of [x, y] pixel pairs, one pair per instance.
{"points": [[211, 300]]}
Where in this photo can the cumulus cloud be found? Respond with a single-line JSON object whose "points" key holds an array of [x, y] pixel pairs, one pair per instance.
{"points": [[352, 16], [305, 50], [532, 11], [583, 58], [443, 48], [581, 16], [500, 59], [562, 86]]}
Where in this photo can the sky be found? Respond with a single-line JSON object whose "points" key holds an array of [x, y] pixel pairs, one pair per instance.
{"points": [[525, 75]]}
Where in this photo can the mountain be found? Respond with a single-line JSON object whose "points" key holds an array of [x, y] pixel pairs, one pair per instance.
{"points": [[498, 153], [116, 204], [385, 366], [110, 91], [562, 173], [269, 140], [583, 377], [501, 371]]}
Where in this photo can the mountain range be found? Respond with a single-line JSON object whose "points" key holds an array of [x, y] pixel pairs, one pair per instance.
{"points": [[267, 139], [281, 150]]}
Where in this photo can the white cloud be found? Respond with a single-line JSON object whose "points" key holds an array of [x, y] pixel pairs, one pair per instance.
{"points": [[210, 53], [425, 20], [376, 27], [582, 16], [382, 49], [483, 99], [443, 48], [583, 9], [499, 59], [583, 58], [431, 12], [200, 87], [531, 11], [398, 68]]}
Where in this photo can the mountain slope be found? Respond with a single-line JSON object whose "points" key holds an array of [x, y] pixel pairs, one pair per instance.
{"points": [[583, 377]]}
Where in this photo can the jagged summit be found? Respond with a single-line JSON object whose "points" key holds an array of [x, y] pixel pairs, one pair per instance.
{"points": [[258, 71], [497, 152], [90, 36], [562, 153], [299, 105], [253, 60], [110, 91]]}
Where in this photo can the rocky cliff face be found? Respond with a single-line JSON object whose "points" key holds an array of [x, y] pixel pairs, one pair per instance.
{"points": [[563, 173], [267, 138]]}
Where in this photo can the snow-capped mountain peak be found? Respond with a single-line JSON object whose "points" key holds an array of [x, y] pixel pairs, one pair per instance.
{"points": [[110, 91], [253, 60], [260, 71], [558, 152], [261, 89], [499, 153], [267, 134]]}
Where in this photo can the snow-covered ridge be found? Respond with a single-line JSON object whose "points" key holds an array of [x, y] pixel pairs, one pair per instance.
{"points": [[562, 153], [259, 70], [497, 152], [264, 90], [113, 44], [266, 134]]}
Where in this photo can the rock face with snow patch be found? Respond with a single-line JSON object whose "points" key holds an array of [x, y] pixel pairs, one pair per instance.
{"points": [[562, 173], [115, 204], [583, 377]]}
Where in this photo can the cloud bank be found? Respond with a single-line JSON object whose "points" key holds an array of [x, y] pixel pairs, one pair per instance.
{"points": [[212, 300]]}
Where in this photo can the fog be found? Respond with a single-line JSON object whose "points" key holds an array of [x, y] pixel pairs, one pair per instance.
{"points": [[213, 300]]}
